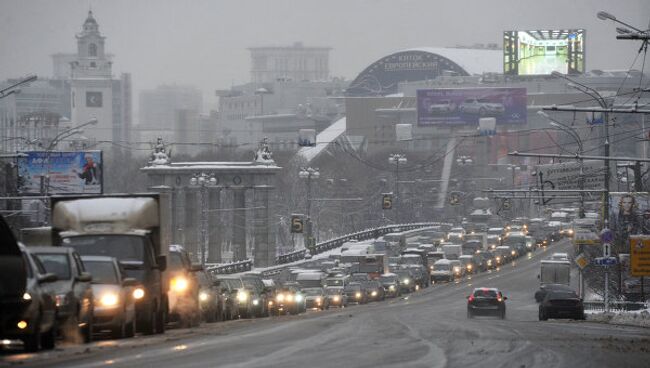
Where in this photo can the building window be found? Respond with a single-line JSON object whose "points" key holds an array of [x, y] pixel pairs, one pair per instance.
{"points": [[93, 64], [92, 50]]}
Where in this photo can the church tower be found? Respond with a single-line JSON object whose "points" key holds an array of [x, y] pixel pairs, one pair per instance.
{"points": [[91, 84]]}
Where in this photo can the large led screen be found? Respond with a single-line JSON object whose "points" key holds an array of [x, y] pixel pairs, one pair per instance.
{"points": [[542, 52]]}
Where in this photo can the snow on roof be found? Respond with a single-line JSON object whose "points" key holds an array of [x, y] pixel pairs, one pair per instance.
{"points": [[324, 139], [474, 61]]}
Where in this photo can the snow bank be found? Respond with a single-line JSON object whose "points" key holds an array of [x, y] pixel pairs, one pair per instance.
{"points": [[632, 318]]}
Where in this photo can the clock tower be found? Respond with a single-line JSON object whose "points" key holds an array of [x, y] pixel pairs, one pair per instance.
{"points": [[91, 83]]}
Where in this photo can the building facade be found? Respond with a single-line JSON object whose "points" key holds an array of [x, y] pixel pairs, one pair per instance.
{"points": [[292, 63]]}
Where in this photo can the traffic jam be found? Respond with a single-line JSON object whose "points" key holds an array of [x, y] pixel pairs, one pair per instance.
{"points": [[111, 281]]}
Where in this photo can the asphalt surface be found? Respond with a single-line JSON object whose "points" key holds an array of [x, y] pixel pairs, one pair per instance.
{"points": [[426, 329]]}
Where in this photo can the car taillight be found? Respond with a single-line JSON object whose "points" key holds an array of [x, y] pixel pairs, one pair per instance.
{"points": [[499, 299], [471, 298]]}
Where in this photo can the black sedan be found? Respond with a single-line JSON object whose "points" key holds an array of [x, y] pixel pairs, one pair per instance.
{"points": [[544, 289], [486, 301], [561, 304]]}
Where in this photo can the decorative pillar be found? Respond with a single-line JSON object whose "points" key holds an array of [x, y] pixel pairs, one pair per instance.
{"points": [[239, 225], [264, 255], [214, 225], [191, 228]]}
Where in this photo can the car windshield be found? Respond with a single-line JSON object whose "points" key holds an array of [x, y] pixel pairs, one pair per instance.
{"points": [[388, 279], [56, 263], [122, 247], [485, 293], [103, 272], [442, 267], [333, 282], [174, 261], [333, 291], [312, 291]]}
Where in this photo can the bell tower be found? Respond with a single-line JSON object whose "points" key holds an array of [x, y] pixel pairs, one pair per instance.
{"points": [[91, 84]]}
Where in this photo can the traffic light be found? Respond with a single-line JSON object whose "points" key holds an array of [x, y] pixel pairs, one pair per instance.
{"points": [[454, 198], [387, 201], [506, 204], [297, 225]]}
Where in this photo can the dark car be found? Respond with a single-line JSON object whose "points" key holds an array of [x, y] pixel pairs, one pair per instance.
{"points": [[74, 293], [289, 299], [544, 289], [375, 291], [183, 294], [355, 292], [336, 297], [239, 297], [258, 295], [315, 298], [390, 282], [211, 301], [113, 293], [486, 301], [229, 289], [561, 304], [27, 307], [406, 281]]}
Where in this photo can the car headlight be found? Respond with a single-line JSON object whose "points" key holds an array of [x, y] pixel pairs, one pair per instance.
{"points": [[498, 258], [337, 298], [279, 298], [391, 288], [469, 266], [457, 269], [373, 293], [27, 296], [138, 293], [256, 302], [298, 297], [242, 296], [203, 296], [109, 300], [406, 281], [178, 284], [61, 299], [357, 295], [489, 262], [319, 300], [513, 252], [431, 268]]}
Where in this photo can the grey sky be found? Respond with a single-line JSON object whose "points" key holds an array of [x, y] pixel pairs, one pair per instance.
{"points": [[203, 43]]}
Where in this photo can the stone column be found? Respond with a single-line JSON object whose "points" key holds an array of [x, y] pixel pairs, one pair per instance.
{"points": [[214, 225], [176, 208], [239, 225], [264, 255], [191, 228]]}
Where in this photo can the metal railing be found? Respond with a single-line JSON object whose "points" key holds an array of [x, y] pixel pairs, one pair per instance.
{"points": [[246, 265], [614, 306]]}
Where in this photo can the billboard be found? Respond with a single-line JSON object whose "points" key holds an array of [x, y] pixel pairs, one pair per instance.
{"points": [[56, 172], [566, 175], [456, 106], [640, 255], [540, 52], [629, 214]]}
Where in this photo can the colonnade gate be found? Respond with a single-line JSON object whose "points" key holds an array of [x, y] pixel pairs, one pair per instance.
{"points": [[197, 191]]}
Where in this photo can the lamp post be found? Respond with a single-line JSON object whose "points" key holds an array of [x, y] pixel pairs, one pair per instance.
{"points": [[203, 181], [397, 159], [309, 174], [261, 92], [603, 103], [574, 134]]}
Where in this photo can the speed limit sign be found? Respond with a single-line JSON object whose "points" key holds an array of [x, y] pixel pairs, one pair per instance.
{"points": [[297, 225], [506, 204]]}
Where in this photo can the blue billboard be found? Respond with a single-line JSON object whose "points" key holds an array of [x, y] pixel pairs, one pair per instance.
{"points": [[56, 172], [465, 106]]}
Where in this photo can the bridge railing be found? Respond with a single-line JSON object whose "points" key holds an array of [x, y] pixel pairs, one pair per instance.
{"points": [[322, 247]]}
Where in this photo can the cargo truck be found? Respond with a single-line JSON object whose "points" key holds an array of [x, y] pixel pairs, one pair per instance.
{"points": [[133, 228]]}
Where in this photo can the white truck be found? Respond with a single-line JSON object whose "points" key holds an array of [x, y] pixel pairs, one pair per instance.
{"points": [[441, 270], [133, 228], [555, 272], [452, 251]]}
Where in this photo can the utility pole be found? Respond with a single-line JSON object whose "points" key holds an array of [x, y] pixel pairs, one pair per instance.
{"points": [[397, 159]]}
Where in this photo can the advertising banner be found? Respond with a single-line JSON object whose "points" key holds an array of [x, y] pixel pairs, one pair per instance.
{"points": [[56, 172], [629, 215], [456, 106]]}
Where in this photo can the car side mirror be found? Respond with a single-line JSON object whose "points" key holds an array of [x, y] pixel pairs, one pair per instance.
{"points": [[84, 277], [196, 267], [129, 281], [47, 278], [162, 262]]}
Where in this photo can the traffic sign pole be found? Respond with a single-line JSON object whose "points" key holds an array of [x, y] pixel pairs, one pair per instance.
{"points": [[606, 289]]}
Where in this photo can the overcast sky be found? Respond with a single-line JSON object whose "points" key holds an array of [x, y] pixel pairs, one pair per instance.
{"points": [[204, 42]]}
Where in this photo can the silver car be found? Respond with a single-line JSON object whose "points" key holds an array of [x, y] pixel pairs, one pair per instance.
{"points": [[482, 107], [114, 302]]}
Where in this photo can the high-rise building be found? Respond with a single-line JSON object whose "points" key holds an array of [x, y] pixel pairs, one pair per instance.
{"points": [[158, 107], [293, 63]]}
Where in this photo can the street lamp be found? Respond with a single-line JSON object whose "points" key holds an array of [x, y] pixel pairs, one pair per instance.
{"points": [[203, 181], [625, 33], [309, 174], [397, 159], [603, 103], [574, 134], [261, 92]]}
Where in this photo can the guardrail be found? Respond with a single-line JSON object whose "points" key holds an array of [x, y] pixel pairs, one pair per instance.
{"points": [[233, 267], [615, 306], [299, 255]]}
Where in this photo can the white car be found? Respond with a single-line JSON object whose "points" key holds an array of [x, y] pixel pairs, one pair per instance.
{"points": [[442, 107], [482, 107]]}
